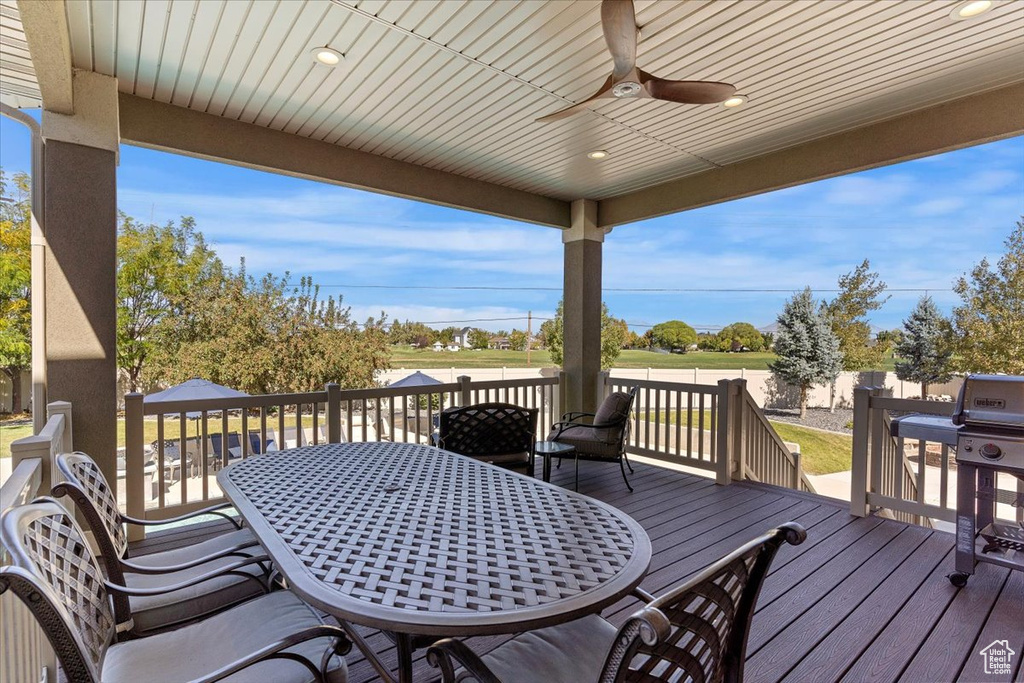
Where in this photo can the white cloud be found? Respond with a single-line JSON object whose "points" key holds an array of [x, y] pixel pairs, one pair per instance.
{"points": [[938, 207]]}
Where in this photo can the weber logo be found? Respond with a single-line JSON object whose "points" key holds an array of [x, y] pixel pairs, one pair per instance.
{"points": [[997, 403]]}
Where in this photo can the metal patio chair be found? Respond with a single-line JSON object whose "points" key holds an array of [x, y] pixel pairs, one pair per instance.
{"points": [[600, 436], [273, 638], [498, 433], [211, 575], [693, 634]]}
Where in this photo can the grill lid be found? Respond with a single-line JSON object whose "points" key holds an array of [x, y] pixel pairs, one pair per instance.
{"points": [[988, 401]]}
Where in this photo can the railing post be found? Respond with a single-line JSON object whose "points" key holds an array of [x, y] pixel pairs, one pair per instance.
{"points": [[134, 457], [796, 469], [34, 447], [465, 392], [334, 413], [724, 456], [737, 410], [861, 451], [63, 408]]}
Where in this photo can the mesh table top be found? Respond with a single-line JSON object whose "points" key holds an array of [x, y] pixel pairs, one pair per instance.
{"points": [[417, 540]]}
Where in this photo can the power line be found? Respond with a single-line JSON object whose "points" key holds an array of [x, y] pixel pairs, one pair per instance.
{"points": [[633, 290]]}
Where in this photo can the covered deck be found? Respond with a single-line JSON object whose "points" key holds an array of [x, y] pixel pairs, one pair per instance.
{"points": [[863, 599]]}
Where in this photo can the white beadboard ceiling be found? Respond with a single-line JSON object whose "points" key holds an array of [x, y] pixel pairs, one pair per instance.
{"points": [[455, 85], [18, 86]]}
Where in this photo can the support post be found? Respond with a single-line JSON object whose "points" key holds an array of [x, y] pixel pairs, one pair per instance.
{"points": [[581, 334], [334, 412], [80, 234], [737, 410], [724, 456], [134, 458], [465, 393], [861, 451]]}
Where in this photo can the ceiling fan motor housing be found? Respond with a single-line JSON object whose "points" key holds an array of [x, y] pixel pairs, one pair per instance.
{"points": [[626, 89]]}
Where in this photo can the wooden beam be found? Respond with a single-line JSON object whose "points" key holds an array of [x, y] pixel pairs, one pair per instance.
{"points": [[972, 120], [175, 129], [49, 43]]}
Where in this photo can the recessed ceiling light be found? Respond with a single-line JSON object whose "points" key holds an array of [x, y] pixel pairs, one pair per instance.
{"points": [[735, 101], [598, 154], [327, 56], [971, 9]]}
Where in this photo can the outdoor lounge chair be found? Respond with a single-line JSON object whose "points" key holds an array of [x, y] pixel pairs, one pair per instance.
{"points": [[696, 632], [600, 436], [212, 575], [276, 637], [498, 433]]}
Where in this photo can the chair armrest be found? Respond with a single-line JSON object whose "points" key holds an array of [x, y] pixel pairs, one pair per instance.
{"points": [[234, 551], [275, 651], [573, 416], [213, 510], [441, 654], [216, 574]]}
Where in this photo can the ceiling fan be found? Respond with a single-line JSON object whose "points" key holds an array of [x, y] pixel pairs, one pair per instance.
{"points": [[618, 21]]}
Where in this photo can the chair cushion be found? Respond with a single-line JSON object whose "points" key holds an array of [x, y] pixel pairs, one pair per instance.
{"points": [[232, 539], [567, 653], [615, 407], [201, 648], [151, 613], [588, 441]]}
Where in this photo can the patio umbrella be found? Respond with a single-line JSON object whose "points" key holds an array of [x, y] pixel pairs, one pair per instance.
{"points": [[193, 390]]}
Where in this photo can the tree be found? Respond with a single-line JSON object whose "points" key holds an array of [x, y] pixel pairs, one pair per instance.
{"points": [[446, 336], [888, 339], [15, 282], [612, 336], [989, 324], [261, 337], [632, 340], [739, 336], [158, 269], [479, 339], [925, 350], [807, 349], [860, 292], [517, 340], [674, 335]]}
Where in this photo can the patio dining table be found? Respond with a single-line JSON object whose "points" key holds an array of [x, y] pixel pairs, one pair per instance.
{"points": [[423, 544]]}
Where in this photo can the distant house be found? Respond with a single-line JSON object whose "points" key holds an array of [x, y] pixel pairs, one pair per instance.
{"points": [[462, 338], [500, 343], [438, 347], [453, 347]]}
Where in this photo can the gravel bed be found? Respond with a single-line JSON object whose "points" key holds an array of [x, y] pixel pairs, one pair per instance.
{"points": [[818, 418]]}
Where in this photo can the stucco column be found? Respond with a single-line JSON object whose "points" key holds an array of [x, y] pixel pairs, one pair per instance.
{"points": [[80, 235], [582, 299]]}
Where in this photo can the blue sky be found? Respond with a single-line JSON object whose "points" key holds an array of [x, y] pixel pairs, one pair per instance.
{"points": [[920, 223]]}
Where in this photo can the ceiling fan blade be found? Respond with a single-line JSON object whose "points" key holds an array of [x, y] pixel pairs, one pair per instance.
{"points": [[689, 92], [604, 92], [618, 21]]}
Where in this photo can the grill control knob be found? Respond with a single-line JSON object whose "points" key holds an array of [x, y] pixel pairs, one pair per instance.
{"points": [[991, 451]]}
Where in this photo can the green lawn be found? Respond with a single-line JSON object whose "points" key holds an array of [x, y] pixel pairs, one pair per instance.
{"points": [[407, 357]]}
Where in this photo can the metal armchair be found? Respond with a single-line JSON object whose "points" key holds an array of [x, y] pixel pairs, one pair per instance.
{"points": [[499, 433], [209, 576], [273, 638], [600, 436], [696, 632]]}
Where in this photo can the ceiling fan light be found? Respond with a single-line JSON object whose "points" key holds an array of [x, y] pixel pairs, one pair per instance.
{"points": [[735, 101], [626, 89], [970, 9], [327, 56], [598, 154]]}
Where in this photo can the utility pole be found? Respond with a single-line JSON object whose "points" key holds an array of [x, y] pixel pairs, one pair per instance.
{"points": [[529, 334]]}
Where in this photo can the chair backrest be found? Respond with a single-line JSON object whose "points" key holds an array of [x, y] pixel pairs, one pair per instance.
{"points": [[614, 411], [698, 631], [488, 429], [88, 488], [55, 574]]}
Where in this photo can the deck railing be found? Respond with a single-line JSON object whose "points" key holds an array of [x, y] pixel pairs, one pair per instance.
{"points": [[883, 478], [191, 440], [717, 428], [25, 653]]}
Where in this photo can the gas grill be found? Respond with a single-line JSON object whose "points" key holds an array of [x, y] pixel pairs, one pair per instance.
{"points": [[987, 429], [990, 414]]}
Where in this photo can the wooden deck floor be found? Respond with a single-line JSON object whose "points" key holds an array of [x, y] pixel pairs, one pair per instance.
{"points": [[863, 599]]}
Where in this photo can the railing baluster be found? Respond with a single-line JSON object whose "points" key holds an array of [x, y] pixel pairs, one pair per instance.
{"points": [[700, 434], [944, 478], [316, 424], [658, 421], [160, 459], [244, 437], [183, 455], [204, 447], [224, 443]]}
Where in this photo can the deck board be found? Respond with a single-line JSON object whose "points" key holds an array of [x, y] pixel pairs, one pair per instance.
{"points": [[863, 599]]}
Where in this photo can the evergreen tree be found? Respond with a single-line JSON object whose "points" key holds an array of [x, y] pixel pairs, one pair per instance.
{"points": [[808, 350], [924, 352]]}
